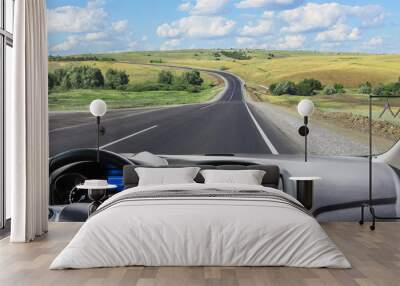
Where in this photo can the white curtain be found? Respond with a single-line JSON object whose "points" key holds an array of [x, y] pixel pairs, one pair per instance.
{"points": [[27, 124]]}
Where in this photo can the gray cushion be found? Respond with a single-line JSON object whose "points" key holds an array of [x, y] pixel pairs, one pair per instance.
{"points": [[270, 179], [149, 159]]}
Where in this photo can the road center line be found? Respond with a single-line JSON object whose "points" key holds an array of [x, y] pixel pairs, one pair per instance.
{"points": [[266, 139], [129, 136], [207, 106]]}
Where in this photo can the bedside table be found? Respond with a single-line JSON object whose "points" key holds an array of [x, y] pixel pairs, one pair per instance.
{"points": [[96, 194], [305, 190]]}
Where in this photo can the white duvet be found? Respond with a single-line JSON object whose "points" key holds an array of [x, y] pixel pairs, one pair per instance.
{"points": [[200, 231]]}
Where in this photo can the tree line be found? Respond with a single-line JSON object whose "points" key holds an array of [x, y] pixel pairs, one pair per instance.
{"points": [[306, 87], [235, 54], [87, 77], [390, 89], [168, 81], [79, 58], [309, 87]]}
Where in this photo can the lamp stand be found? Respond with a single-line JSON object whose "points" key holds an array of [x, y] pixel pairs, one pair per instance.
{"points": [[305, 137], [98, 138]]}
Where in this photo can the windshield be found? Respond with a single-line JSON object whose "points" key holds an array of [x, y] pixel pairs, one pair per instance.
{"points": [[223, 77]]}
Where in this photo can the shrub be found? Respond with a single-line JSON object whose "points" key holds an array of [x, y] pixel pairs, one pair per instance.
{"points": [[77, 77], [115, 79], [339, 88], [285, 87], [316, 84], [192, 78], [66, 83], [330, 90], [308, 87], [365, 88], [59, 75], [304, 89], [92, 77], [194, 88], [272, 87], [148, 86], [379, 90], [122, 87], [165, 77], [393, 88], [51, 80]]}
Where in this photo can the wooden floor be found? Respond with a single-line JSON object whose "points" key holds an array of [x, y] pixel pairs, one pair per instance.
{"points": [[375, 257]]}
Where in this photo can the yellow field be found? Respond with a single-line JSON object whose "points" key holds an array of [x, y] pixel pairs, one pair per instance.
{"points": [[348, 69]]}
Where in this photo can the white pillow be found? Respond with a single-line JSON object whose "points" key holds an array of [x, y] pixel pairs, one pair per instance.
{"points": [[149, 159], [166, 176], [243, 177]]}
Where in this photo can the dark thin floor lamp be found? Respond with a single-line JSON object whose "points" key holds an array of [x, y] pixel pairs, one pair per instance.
{"points": [[98, 108], [305, 109], [370, 203]]}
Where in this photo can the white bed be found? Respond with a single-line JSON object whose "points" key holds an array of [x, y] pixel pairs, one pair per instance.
{"points": [[207, 230]]}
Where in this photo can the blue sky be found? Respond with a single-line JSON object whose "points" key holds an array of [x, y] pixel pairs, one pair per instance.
{"points": [[79, 26]]}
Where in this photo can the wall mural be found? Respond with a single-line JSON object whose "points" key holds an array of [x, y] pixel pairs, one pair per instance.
{"points": [[220, 77]]}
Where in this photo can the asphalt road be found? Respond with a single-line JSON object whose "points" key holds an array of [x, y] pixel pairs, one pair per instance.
{"points": [[229, 125]]}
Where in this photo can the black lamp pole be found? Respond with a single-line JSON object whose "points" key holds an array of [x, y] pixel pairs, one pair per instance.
{"points": [[305, 137], [98, 138]]}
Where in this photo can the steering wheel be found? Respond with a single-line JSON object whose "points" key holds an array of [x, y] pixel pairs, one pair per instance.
{"points": [[89, 155], [73, 167]]}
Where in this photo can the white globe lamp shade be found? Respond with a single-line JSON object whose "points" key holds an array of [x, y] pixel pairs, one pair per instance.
{"points": [[98, 107], [305, 107]]}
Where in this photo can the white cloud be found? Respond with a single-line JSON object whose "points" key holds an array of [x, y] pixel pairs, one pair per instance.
{"points": [[172, 30], [370, 15], [90, 29], [339, 33], [170, 44], [208, 7], [70, 43], [95, 3], [185, 7], [273, 4], [313, 16], [291, 42], [263, 27], [96, 36], [268, 14], [74, 41], [329, 46], [197, 27], [75, 19], [245, 41], [120, 26], [375, 41]]}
